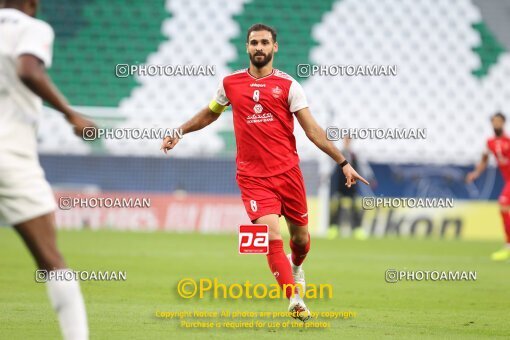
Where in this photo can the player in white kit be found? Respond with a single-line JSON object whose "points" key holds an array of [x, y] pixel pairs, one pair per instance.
{"points": [[26, 200]]}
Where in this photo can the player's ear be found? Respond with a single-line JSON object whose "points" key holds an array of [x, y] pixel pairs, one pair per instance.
{"points": [[247, 49], [275, 47]]}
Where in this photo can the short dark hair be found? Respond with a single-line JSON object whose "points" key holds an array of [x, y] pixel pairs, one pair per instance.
{"points": [[500, 115], [261, 27]]}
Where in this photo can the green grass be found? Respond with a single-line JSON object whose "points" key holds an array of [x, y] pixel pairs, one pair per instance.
{"points": [[155, 262]]}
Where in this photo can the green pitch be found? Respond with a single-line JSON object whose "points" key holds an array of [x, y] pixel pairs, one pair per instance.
{"points": [[155, 262]]}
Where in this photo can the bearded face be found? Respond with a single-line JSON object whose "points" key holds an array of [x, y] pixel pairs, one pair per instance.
{"points": [[259, 59], [260, 48]]}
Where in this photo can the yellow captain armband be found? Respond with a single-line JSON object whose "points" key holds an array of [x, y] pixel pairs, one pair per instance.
{"points": [[216, 108]]}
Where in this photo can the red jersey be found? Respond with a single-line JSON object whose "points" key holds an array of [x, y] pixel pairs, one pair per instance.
{"points": [[263, 110], [500, 147]]}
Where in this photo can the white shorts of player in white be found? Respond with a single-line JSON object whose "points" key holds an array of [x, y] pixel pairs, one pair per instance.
{"points": [[24, 191]]}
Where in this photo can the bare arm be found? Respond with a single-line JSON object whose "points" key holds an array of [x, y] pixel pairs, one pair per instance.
{"points": [[479, 168], [199, 121], [32, 73], [317, 135]]}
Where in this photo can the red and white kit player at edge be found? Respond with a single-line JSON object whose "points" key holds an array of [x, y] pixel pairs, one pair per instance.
{"points": [[499, 146]]}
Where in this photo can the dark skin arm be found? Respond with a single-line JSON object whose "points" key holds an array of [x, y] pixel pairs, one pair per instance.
{"points": [[32, 73]]}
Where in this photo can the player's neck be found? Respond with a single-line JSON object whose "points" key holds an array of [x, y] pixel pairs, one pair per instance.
{"points": [[260, 72]]}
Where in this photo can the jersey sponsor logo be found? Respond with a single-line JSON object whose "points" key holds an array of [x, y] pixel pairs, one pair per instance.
{"points": [[254, 239], [257, 85], [258, 108], [260, 118], [276, 92]]}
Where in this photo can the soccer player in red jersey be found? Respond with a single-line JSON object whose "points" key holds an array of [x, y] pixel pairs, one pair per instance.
{"points": [[264, 102], [499, 145]]}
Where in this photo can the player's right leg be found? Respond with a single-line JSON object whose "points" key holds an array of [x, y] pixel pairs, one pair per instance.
{"points": [[276, 258], [281, 267], [300, 245], [263, 206], [28, 204]]}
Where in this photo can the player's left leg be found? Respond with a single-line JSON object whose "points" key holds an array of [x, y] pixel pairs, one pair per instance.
{"points": [[294, 208], [300, 246], [299, 243], [291, 189], [65, 296]]}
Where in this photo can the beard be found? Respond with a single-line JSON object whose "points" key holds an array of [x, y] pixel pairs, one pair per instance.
{"points": [[261, 63], [498, 132]]}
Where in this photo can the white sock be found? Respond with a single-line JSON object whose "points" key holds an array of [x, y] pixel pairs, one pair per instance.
{"points": [[67, 301], [295, 268]]}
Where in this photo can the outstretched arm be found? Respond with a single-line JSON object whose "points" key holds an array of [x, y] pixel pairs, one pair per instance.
{"points": [[32, 72], [318, 136], [199, 121], [479, 169]]}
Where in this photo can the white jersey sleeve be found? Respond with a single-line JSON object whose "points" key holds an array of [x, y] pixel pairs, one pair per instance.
{"points": [[297, 99], [221, 97], [36, 39]]}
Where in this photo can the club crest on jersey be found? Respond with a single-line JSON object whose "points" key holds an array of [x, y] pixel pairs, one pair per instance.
{"points": [[276, 92], [258, 108]]}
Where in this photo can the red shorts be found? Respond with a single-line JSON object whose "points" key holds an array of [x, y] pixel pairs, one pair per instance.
{"points": [[283, 194], [504, 197]]}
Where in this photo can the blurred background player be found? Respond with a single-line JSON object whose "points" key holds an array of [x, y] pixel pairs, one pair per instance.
{"points": [[26, 200], [264, 102], [499, 145], [343, 199]]}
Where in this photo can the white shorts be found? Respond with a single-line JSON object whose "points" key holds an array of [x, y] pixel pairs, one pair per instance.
{"points": [[24, 192]]}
